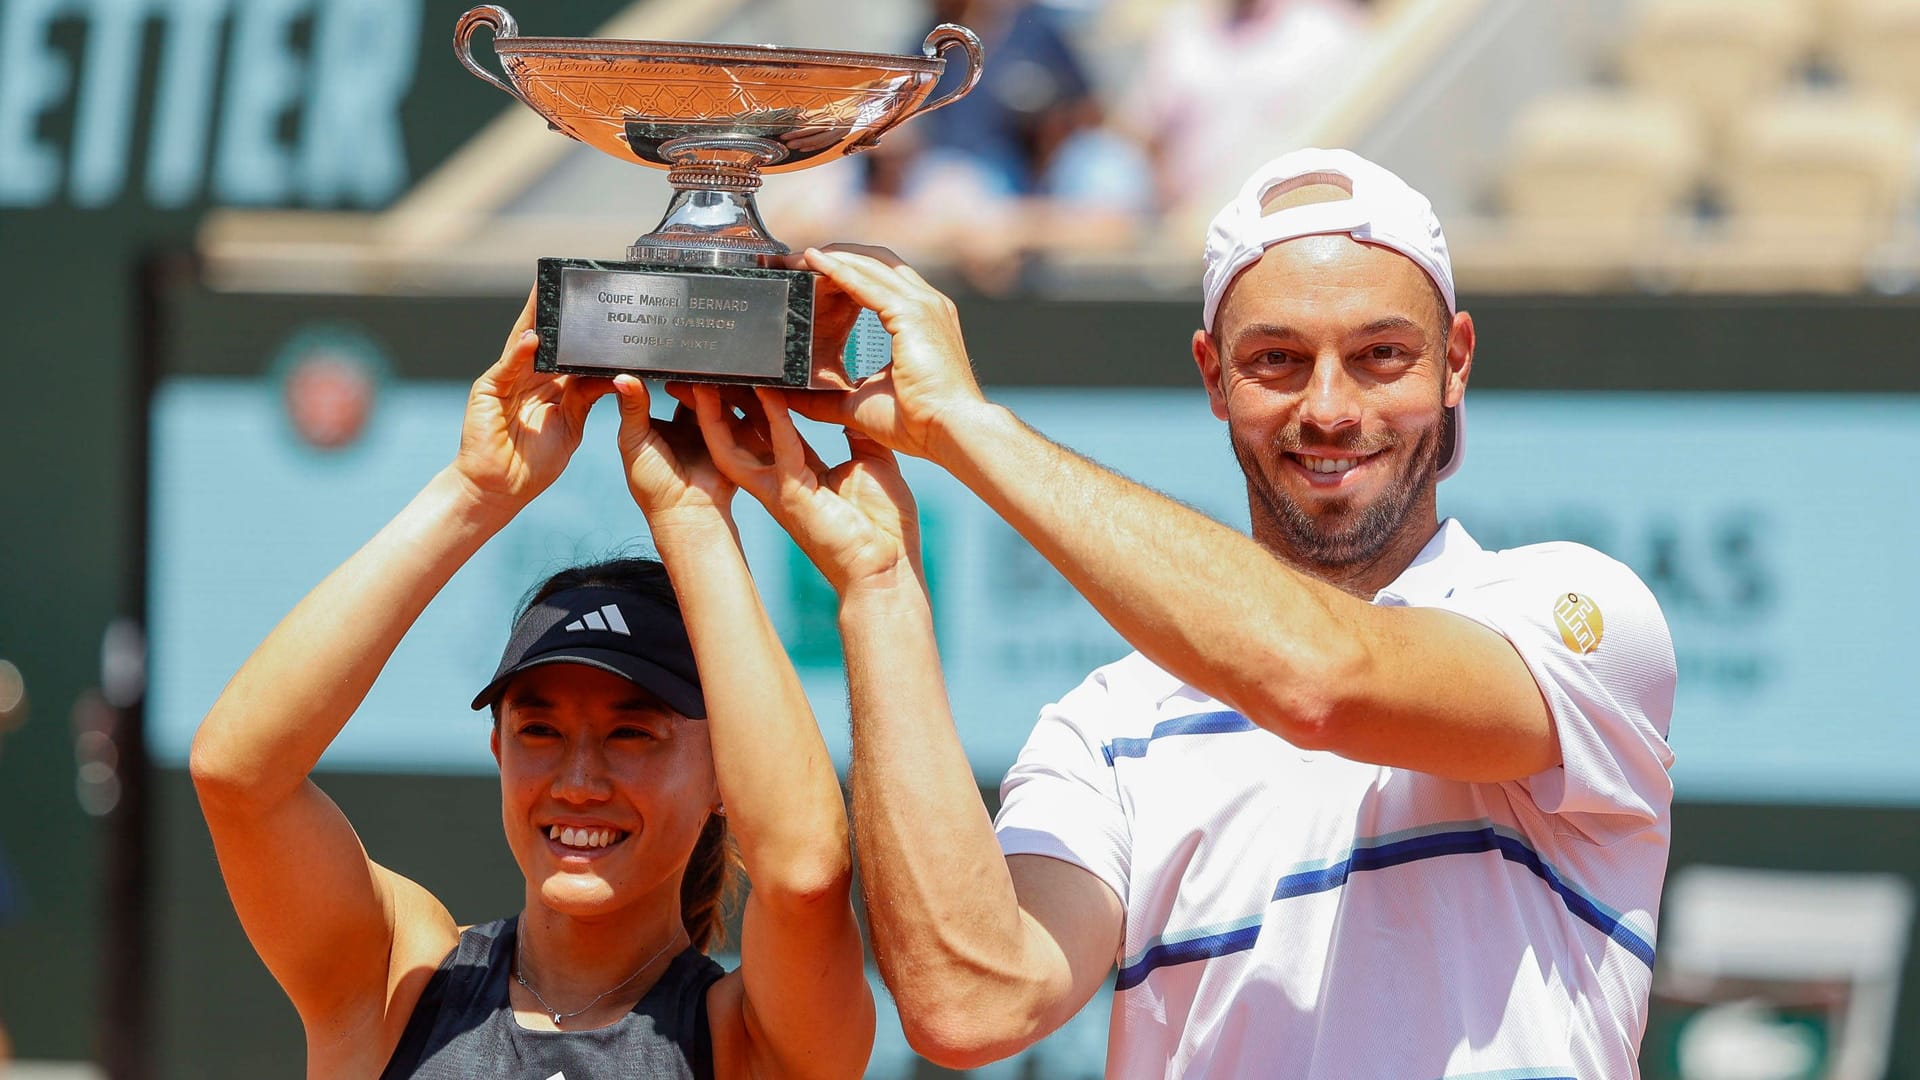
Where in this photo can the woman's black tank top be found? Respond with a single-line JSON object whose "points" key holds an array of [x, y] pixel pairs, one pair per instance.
{"points": [[463, 1026]]}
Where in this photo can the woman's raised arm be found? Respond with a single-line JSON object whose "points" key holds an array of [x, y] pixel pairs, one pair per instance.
{"points": [[341, 934], [805, 1009]]}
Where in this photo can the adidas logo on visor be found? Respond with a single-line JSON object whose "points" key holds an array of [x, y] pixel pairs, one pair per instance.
{"points": [[607, 618]]}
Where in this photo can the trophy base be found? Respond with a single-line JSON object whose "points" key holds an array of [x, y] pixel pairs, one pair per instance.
{"points": [[719, 324]]}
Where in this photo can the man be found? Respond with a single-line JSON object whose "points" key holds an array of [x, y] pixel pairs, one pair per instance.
{"points": [[1368, 800]]}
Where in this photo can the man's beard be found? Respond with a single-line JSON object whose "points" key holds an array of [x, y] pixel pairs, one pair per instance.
{"points": [[1321, 541]]}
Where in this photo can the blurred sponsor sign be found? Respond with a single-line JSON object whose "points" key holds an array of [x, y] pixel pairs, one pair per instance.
{"points": [[329, 383], [262, 103], [1783, 571]]}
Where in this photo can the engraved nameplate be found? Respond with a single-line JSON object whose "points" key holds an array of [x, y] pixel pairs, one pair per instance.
{"points": [[707, 324]]}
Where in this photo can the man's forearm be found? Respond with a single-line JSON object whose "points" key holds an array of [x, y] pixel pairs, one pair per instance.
{"points": [[1201, 600], [946, 922]]}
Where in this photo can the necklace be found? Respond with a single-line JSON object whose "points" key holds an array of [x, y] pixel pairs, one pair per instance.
{"points": [[519, 942]]}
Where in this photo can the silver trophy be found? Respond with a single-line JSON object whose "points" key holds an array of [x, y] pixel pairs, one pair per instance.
{"points": [[704, 296]]}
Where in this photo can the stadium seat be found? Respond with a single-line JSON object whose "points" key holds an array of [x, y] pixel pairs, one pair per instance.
{"points": [[1715, 56], [1875, 46], [1836, 163], [1601, 161], [1814, 184]]}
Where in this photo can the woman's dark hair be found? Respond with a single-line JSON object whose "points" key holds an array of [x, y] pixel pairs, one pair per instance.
{"points": [[712, 878]]}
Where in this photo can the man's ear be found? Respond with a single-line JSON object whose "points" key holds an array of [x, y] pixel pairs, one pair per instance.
{"points": [[1207, 357], [1459, 358], [493, 741]]}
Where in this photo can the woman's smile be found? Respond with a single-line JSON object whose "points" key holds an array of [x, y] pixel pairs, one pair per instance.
{"points": [[583, 844]]}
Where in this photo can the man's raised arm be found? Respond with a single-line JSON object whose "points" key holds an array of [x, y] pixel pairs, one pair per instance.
{"points": [[984, 955], [1296, 655]]}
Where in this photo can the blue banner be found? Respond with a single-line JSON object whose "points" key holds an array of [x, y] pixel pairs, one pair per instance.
{"points": [[1780, 560]]}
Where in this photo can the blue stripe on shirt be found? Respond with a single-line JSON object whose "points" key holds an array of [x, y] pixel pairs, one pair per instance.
{"points": [[1556, 1072], [1380, 853], [1207, 723], [1484, 838], [1204, 947]]}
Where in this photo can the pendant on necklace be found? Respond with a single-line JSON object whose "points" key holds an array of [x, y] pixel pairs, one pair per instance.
{"points": [[556, 1019]]}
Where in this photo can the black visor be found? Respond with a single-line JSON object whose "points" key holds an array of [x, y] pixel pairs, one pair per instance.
{"points": [[635, 636]]}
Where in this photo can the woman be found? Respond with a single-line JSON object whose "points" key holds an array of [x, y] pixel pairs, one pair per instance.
{"points": [[618, 767]]}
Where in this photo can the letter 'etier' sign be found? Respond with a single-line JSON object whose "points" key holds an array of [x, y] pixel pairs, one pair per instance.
{"points": [[258, 104]]}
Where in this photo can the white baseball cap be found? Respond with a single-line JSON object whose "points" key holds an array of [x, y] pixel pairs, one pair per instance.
{"points": [[1382, 209]]}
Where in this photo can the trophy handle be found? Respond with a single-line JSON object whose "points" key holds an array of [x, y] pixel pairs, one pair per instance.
{"points": [[496, 19], [944, 37]]}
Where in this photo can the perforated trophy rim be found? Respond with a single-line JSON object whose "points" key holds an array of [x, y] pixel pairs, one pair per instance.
{"points": [[629, 49]]}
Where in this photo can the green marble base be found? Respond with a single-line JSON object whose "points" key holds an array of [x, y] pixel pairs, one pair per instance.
{"points": [[693, 324]]}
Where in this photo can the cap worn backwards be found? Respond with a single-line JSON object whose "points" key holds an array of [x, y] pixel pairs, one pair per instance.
{"points": [[638, 637], [1380, 208]]}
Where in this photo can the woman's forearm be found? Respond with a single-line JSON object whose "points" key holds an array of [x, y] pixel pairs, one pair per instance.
{"points": [[292, 696], [781, 792]]}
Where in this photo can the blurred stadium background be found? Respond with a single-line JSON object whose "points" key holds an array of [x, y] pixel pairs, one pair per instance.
{"points": [[253, 252]]}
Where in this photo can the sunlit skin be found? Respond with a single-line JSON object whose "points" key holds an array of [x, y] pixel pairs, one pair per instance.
{"points": [[1329, 348], [355, 945], [980, 971], [582, 747]]}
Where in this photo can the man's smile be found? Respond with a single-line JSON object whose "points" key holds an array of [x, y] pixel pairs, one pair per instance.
{"points": [[1331, 468]]}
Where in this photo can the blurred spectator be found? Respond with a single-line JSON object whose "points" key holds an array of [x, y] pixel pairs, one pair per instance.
{"points": [[1031, 128], [13, 713], [1219, 73]]}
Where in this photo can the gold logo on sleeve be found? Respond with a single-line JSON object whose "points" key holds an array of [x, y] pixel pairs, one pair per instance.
{"points": [[1578, 618]]}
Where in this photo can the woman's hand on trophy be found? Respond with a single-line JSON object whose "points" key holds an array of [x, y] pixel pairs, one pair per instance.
{"points": [[522, 425], [856, 521], [669, 472], [930, 381]]}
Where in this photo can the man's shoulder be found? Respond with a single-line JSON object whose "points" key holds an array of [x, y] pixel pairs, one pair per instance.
{"points": [[1585, 614], [1552, 593], [1130, 683], [1555, 553], [1129, 693], [1456, 572], [1559, 566]]}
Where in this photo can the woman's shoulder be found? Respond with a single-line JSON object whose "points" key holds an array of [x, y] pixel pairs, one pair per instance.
{"points": [[726, 999], [426, 942], [464, 977], [484, 934], [706, 990], [465, 961], [360, 1035]]}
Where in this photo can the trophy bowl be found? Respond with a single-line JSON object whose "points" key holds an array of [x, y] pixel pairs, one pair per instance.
{"points": [[715, 116], [706, 295]]}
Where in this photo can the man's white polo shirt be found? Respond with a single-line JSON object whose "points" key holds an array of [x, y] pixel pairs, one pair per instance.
{"points": [[1291, 913]]}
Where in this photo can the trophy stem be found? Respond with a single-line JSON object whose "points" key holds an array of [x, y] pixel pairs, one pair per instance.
{"points": [[713, 220]]}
